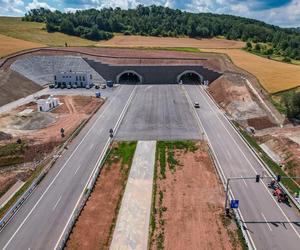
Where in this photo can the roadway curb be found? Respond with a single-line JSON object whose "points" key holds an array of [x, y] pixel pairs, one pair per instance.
{"points": [[18, 204], [91, 182], [256, 155], [237, 212]]}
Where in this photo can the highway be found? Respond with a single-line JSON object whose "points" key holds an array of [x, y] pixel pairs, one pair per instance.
{"points": [[39, 224], [269, 224]]}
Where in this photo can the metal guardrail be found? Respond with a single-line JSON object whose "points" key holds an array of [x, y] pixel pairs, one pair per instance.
{"points": [[17, 205], [271, 173], [263, 164]]}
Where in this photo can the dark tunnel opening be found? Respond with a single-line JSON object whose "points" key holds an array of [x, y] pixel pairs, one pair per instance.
{"points": [[129, 78], [190, 78]]}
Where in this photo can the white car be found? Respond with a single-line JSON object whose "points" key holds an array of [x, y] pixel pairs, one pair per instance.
{"points": [[196, 105]]}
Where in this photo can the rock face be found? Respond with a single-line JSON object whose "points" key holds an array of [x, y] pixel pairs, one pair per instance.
{"points": [[40, 69]]}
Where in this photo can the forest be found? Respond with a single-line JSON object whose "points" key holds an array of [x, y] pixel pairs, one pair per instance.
{"points": [[162, 21]]}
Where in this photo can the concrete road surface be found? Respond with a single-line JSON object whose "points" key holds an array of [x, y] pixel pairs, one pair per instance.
{"points": [[41, 221], [270, 225], [132, 227]]}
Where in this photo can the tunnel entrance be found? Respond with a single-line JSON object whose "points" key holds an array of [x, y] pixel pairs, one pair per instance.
{"points": [[129, 77], [190, 77]]}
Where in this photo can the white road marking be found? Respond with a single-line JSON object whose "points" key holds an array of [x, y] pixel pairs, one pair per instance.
{"points": [[102, 155], [92, 145], [56, 203], [244, 181], [250, 164], [56, 176], [77, 170], [266, 222], [219, 169], [228, 153]]}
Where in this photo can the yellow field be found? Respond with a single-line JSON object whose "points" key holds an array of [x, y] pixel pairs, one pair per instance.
{"points": [[274, 76], [9, 45], [148, 41]]}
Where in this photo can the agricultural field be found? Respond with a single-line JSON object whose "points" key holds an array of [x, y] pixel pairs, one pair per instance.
{"points": [[156, 42], [35, 32], [274, 76], [9, 45]]}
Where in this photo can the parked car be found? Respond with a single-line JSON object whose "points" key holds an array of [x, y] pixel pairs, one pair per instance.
{"points": [[51, 86], [97, 86], [74, 86], [103, 86]]}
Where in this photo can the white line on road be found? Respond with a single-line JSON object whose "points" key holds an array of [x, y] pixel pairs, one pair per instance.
{"points": [[77, 170], [228, 153], [244, 181], [56, 176], [102, 155], [250, 164], [56, 203], [266, 222], [92, 145]]}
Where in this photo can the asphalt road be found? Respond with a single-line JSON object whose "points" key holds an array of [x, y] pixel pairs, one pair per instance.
{"points": [[152, 113], [42, 219], [270, 225], [159, 112]]}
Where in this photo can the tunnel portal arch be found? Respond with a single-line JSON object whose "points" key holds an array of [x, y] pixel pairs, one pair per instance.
{"points": [[190, 76], [129, 77]]}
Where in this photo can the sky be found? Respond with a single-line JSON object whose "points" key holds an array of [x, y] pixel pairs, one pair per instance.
{"points": [[285, 13]]}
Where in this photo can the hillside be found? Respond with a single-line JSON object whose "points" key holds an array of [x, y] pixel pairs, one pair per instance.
{"points": [[36, 32], [9, 45], [165, 22]]}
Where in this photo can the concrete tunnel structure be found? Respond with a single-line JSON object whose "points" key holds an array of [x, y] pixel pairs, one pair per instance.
{"points": [[154, 74]]}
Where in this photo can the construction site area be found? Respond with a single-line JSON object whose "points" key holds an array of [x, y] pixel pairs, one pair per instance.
{"points": [[30, 138], [153, 154]]}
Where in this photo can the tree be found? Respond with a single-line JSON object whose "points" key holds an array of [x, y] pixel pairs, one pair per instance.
{"points": [[67, 27], [249, 45]]}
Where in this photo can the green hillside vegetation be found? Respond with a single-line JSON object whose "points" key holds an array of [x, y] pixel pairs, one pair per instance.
{"points": [[36, 32], [160, 21]]}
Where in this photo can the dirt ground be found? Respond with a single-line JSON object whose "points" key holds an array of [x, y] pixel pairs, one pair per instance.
{"points": [[232, 94], [14, 86], [148, 41], [189, 204], [285, 142], [274, 76], [40, 132], [94, 226]]}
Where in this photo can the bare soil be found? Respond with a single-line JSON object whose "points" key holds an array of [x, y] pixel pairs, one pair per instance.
{"points": [[189, 204], [148, 41], [285, 142], [40, 142], [94, 226], [232, 94], [14, 86]]}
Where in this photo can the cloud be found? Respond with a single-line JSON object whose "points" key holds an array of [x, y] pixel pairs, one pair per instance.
{"points": [[12, 7], [35, 4]]}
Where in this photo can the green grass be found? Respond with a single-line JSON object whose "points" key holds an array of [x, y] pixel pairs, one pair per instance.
{"points": [[35, 32], [288, 183], [12, 153], [124, 151], [277, 58]]}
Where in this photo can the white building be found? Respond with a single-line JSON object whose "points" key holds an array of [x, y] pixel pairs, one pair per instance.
{"points": [[80, 79], [45, 105]]}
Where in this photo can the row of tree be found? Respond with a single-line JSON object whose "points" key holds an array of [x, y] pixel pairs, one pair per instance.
{"points": [[160, 21]]}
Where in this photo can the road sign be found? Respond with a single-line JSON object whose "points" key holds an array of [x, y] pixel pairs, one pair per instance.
{"points": [[234, 204]]}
